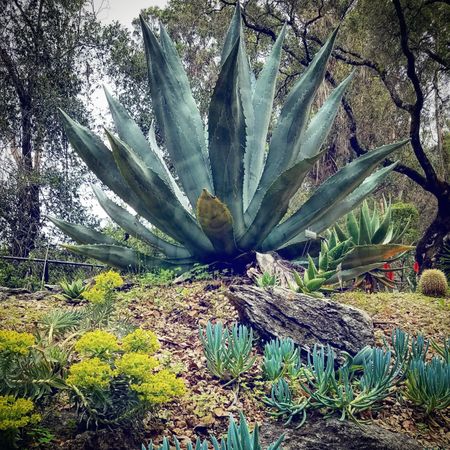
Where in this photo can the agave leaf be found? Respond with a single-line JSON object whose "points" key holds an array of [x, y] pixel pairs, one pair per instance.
{"points": [[383, 230], [217, 223], [340, 233], [82, 234], [337, 187], [321, 123], [287, 136], [364, 224], [124, 258], [172, 183], [352, 273], [363, 255], [226, 130], [276, 202], [315, 284], [167, 213], [132, 225], [340, 209], [353, 227], [177, 115], [101, 161], [262, 106], [130, 133]]}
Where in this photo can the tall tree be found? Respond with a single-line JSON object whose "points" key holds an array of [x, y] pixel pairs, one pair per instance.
{"points": [[44, 64]]}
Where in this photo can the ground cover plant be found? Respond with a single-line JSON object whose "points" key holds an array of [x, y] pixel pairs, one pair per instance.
{"points": [[175, 314]]}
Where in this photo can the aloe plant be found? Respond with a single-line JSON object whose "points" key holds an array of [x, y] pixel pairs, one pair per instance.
{"points": [[228, 197]]}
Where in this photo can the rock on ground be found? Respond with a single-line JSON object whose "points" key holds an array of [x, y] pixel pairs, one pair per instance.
{"points": [[332, 434], [306, 320]]}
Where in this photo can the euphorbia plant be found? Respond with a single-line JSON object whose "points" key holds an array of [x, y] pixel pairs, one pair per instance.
{"points": [[228, 197]]}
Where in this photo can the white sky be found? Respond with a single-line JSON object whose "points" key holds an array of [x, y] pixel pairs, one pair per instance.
{"points": [[123, 10]]}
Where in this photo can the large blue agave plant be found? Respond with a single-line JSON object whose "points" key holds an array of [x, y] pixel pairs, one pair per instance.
{"points": [[229, 195]]}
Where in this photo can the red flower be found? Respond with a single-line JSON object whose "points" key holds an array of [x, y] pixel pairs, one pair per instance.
{"points": [[390, 274], [416, 267]]}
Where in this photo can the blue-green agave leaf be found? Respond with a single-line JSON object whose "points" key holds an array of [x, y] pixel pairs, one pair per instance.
{"points": [[287, 136], [101, 161], [124, 258], [337, 187], [167, 212], [226, 130], [262, 105], [135, 228], [321, 123], [177, 115], [275, 203], [81, 233]]}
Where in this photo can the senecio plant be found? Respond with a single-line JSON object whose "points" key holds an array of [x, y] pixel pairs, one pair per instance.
{"points": [[238, 437], [228, 196]]}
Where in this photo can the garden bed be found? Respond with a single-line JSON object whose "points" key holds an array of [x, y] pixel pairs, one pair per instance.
{"points": [[175, 313]]}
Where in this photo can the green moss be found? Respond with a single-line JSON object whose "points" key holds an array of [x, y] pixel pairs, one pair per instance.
{"points": [[413, 312]]}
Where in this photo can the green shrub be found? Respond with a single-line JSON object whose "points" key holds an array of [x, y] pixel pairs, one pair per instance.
{"points": [[433, 283], [406, 215], [267, 280]]}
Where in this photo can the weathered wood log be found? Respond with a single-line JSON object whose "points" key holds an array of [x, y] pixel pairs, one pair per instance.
{"points": [[306, 320]]}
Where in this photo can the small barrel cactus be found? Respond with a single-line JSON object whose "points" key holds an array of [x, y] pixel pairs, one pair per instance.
{"points": [[433, 283]]}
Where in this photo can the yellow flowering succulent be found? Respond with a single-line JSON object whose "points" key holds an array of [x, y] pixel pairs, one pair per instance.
{"points": [[90, 374], [138, 366], [16, 413], [141, 341], [14, 342], [105, 283], [97, 343], [160, 387]]}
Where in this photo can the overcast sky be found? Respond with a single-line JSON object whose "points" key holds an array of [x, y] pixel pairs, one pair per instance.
{"points": [[124, 10]]}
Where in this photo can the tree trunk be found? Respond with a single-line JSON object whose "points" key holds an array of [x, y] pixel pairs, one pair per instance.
{"points": [[436, 236], [28, 207]]}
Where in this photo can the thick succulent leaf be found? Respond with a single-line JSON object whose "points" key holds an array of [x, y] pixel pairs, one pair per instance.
{"points": [[101, 161], [363, 255], [124, 258], [341, 208], [216, 222], [287, 136], [335, 188], [131, 134], [226, 130], [132, 226], [275, 203], [167, 212], [262, 106], [321, 123], [352, 273], [81, 233], [177, 115], [171, 180], [234, 33], [383, 230], [364, 225], [353, 227]]}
